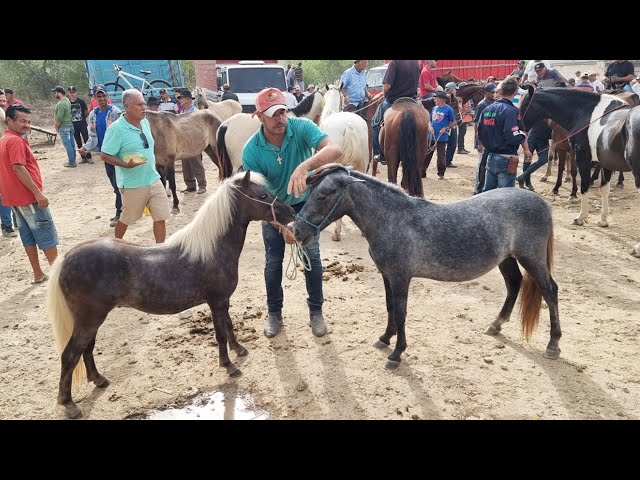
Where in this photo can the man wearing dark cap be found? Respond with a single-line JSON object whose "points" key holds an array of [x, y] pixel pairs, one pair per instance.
{"points": [[63, 124], [489, 97], [500, 132], [530, 72], [11, 100], [79, 114], [548, 77], [443, 121], [166, 103]]}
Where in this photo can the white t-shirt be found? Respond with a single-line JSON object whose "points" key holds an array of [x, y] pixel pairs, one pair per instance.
{"points": [[530, 72], [292, 102]]}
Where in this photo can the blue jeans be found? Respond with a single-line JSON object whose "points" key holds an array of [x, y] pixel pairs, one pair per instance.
{"points": [[65, 132], [375, 125], [36, 226], [542, 147], [5, 215], [274, 248], [496, 175], [111, 173], [452, 144]]}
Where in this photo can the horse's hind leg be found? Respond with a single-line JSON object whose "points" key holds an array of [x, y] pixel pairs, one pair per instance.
{"points": [[92, 372], [562, 159], [399, 288], [512, 279], [220, 317], [233, 341]]}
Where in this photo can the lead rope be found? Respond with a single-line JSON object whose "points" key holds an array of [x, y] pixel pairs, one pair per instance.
{"points": [[298, 257]]}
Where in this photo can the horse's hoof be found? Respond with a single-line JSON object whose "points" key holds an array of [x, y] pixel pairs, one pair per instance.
{"points": [[101, 382], [620, 185], [235, 372], [634, 251], [493, 330], [551, 354], [603, 223], [578, 221], [242, 352], [72, 411], [392, 364], [543, 179], [554, 191], [573, 198], [335, 238], [175, 211], [380, 344]]}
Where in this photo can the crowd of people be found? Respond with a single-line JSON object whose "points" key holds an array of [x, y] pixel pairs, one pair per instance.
{"points": [[283, 149]]}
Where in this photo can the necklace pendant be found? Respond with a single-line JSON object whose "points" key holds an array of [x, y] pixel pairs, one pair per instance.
{"points": [[279, 160]]}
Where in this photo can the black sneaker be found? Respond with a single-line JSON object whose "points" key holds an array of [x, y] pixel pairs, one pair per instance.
{"points": [[529, 185], [520, 182], [463, 151], [9, 232], [451, 165]]}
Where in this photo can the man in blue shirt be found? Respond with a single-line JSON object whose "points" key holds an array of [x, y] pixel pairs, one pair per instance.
{"points": [[128, 144], [353, 85], [443, 119], [500, 133], [281, 150]]}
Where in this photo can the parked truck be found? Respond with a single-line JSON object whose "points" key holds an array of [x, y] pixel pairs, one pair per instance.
{"points": [[245, 78], [148, 76]]}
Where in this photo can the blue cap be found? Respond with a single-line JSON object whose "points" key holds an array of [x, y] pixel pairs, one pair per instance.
{"points": [[490, 87]]}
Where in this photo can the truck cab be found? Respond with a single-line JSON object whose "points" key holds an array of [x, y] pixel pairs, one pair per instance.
{"points": [[247, 77], [375, 76]]}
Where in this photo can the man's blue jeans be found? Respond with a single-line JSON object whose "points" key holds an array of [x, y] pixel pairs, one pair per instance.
{"points": [[5, 216], [65, 132], [452, 144], [541, 146], [375, 125], [274, 248], [496, 175]]}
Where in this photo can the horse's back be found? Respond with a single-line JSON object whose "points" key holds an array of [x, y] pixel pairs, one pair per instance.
{"points": [[349, 130]]}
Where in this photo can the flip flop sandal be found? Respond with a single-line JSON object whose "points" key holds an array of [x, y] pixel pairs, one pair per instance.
{"points": [[42, 280]]}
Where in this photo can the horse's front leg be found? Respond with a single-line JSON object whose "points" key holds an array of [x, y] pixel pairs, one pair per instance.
{"points": [[385, 340], [171, 178], [583, 161], [552, 156], [574, 175], [399, 288], [336, 236], [219, 315], [604, 192]]}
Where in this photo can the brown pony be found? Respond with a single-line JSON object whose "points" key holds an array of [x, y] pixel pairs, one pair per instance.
{"points": [[178, 137], [403, 139]]}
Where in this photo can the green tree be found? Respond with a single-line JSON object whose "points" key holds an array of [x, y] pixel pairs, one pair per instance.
{"points": [[325, 71], [34, 79]]}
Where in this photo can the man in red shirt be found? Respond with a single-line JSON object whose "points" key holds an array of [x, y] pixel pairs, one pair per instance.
{"points": [[21, 189], [11, 100], [428, 82]]}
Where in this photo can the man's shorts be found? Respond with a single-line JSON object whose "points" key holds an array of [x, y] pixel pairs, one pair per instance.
{"points": [[36, 226], [134, 200]]}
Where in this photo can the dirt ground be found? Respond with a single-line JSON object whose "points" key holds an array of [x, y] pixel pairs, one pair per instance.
{"points": [[450, 370]]}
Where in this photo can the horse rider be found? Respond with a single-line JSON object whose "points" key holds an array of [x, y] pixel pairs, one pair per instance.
{"points": [[428, 82], [400, 80], [618, 75], [353, 86]]}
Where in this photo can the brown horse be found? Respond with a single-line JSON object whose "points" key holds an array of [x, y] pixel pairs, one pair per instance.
{"points": [[448, 77], [561, 147], [197, 264], [403, 139], [179, 137]]}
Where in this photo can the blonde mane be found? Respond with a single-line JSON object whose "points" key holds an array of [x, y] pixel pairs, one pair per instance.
{"points": [[198, 239]]}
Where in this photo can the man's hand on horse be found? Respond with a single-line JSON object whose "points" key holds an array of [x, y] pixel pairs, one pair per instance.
{"points": [[298, 181]]}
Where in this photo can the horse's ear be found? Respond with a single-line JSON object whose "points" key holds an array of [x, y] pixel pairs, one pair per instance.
{"points": [[246, 180], [326, 86], [531, 89]]}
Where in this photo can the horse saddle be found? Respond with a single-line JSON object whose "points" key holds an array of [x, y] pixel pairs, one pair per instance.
{"points": [[404, 100]]}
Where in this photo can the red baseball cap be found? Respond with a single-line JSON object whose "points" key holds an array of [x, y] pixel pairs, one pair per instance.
{"points": [[269, 101]]}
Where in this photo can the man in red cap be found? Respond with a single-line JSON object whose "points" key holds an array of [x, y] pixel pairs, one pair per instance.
{"points": [[281, 150]]}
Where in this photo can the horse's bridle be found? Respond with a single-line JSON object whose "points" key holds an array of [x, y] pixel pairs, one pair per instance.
{"points": [[273, 210]]}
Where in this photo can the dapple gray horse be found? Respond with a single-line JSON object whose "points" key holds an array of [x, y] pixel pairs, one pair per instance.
{"points": [[411, 237]]}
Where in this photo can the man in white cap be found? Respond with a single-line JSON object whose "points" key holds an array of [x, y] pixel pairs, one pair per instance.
{"points": [[310, 90], [281, 150]]}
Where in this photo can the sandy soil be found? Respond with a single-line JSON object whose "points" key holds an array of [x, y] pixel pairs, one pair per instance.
{"points": [[450, 370]]}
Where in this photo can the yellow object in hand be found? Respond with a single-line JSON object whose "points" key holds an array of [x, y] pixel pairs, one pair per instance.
{"points": [[134, 157], [147, 212]]}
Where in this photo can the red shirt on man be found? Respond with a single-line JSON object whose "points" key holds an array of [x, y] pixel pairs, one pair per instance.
{"points": [[15, 150], [427, 77]]}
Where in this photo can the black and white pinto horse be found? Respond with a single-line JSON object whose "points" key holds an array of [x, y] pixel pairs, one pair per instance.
{"points": [[603, 129]]}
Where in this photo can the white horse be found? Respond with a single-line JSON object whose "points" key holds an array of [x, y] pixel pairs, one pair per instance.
{"points": [[235, 131], [350, 131], [223, 110]]}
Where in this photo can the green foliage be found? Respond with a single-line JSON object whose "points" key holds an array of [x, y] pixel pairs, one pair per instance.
{"points": [[325, 71], [189, 70], [34, 79]]}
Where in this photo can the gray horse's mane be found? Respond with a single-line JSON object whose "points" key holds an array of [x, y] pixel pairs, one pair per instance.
{"points": [[198, 238]]}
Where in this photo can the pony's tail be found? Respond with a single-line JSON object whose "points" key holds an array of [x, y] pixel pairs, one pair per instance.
{"points": [[62, 319], [531, 295], [408, 152], [224, 161]]}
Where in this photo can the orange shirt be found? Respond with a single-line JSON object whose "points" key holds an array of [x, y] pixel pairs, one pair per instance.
{"points": [[15, 150]]}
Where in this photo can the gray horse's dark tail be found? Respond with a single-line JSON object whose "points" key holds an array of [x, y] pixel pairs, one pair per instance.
{"points": [[225, 169], [408, 153], [531, 295]]}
